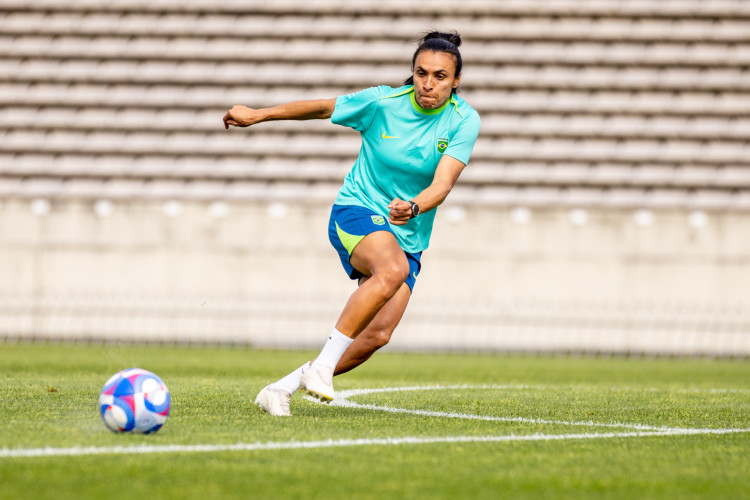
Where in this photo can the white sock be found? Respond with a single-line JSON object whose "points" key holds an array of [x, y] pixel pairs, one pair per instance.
{"points": [[290, 383], [332, 351]]}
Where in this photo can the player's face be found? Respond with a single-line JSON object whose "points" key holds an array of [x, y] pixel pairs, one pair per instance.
{"points": [[434, 78]]}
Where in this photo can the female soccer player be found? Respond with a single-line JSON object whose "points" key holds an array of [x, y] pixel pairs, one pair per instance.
{"points": [[416, 140]]}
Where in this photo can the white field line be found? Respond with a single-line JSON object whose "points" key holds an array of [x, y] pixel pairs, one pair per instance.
{"points": [[295, 445], [342, 400]]}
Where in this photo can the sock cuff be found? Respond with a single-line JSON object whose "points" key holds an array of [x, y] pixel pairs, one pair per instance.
{"points": [[333, 349], [340, 336]]}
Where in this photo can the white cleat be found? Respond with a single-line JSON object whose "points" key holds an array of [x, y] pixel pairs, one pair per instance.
{"points": [[317, 381], [274, 401]]}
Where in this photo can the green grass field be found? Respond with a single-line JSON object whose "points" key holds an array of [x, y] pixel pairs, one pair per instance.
{"points": [[470, 427]]}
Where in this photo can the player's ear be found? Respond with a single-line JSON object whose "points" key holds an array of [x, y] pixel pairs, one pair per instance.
{"points": [[456, 81]]}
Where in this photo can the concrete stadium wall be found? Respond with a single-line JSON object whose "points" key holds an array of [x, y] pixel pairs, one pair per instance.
{"points": [[494, 279]]}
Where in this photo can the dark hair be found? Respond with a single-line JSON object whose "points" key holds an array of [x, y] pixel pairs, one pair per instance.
{"points": [[438, 41]]}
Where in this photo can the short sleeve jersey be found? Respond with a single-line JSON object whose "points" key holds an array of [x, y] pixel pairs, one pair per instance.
{"points": [[402, 144]]}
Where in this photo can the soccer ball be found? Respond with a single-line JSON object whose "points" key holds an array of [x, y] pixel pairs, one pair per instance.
{"points": [[134, 400]]}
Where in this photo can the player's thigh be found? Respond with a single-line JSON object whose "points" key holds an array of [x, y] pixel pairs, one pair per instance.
{"points": [[379, 252]]}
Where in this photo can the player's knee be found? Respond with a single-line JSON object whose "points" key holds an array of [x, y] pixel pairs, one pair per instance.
{"points": [[395, 274], [381, 337]]}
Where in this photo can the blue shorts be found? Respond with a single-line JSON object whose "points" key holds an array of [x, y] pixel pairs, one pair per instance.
{"points": [[349, 225]]}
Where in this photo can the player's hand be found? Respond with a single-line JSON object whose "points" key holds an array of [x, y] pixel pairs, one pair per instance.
{"points": [[241, 116], [400, 212]]}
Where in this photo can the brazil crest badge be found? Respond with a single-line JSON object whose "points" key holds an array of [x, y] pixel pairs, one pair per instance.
{"points": [[442, 144]]}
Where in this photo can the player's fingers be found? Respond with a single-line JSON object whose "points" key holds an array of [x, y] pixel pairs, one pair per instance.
{"points": [[399, 217], [394, 203]]}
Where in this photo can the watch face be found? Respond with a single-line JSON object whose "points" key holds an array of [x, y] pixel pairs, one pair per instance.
{"points": [[414, 209]]}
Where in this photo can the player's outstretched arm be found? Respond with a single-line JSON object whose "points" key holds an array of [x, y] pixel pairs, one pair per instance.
{"points": [[242, 116]]}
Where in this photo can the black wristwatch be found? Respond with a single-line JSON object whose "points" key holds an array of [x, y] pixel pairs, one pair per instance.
{"points": [[414, 209]]}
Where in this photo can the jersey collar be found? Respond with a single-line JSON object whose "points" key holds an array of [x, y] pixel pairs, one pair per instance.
{"points": [[420, 109]]}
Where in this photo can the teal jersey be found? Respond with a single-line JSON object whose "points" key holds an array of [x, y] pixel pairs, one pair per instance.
{"points": [[402, 144]]}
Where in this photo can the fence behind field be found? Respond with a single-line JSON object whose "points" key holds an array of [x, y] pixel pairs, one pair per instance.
{"points": [[465, 324]]}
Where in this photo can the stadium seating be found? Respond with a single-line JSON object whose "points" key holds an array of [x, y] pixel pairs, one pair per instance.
{"points": [[599, 103]]}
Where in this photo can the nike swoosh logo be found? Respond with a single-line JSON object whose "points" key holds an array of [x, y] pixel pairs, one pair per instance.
{"points": [[389, 136]]}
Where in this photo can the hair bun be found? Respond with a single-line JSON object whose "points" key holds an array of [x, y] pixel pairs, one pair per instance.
{"points": [[453, 37]]}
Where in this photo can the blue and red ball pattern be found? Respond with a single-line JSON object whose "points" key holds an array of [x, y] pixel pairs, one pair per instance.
{"points": [[134, 400]]}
